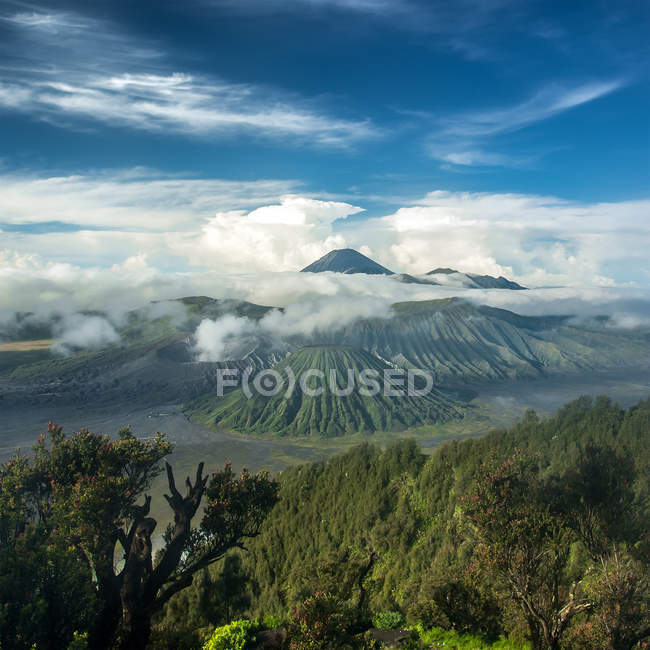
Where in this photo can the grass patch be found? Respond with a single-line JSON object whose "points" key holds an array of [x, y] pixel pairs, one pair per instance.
{"points": [[437, 637]]}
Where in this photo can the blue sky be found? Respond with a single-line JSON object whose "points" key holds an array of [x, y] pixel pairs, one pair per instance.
{"points": [[126, 127]]}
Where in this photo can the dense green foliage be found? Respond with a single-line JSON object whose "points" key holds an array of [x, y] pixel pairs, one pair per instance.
{"points": [[531, 537], [388, 620], [325, 414], [321, 621], [233, 636], [76, 543], [59, 515], [409, 510], [437, 637]]}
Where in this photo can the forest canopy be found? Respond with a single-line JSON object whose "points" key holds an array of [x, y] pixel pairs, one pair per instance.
{"points": [[536, 535]]}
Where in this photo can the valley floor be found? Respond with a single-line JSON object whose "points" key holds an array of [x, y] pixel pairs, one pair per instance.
{"points": [[497, 404]]}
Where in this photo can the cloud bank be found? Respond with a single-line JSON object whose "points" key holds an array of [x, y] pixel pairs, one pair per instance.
{"points": [[311, 303], [135, 231]]}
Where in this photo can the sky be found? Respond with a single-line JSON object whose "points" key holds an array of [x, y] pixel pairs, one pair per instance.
{"points": [[163, 143]]}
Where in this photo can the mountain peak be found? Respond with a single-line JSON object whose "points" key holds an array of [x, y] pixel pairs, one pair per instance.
{"points": [[346, 260], [442, 270]]}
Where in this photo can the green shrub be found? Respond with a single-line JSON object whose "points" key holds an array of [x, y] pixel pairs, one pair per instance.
{"points": [[437, 636], [388, 620], [233, 636], [321, 622], [271, 622], [449, 603]]}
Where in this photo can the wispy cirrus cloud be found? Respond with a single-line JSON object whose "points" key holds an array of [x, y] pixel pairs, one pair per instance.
{"points": [[43, 21], [74, 71], [469, 139], [58, 40], [436, 16], [180, 103], [544, 104], [477, 157], [365, 6]]}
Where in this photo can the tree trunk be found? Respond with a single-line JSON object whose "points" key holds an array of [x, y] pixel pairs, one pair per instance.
{"points": [[130, 598], [135, 630], [102, 636], [535, 636], [136, 611]]}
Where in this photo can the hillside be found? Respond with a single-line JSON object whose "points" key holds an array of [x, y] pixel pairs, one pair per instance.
{"points": [[318, 535], [457, 340], [460, 341], [152, 361], [326, 414]]}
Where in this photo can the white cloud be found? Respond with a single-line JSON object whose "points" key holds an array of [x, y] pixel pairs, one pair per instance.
{"points": [[129, 199], [326, 313], [75, 68], [460, 26], [462, 139], [300, 211], [215, 338], [180, 224], [312, 301], [184, 104], [280, 237], [80, 331], [47, 22], [475, 157], [405, 10], [126, 214], [546, 103], [232, 337], [535, 239], [377, 7]]}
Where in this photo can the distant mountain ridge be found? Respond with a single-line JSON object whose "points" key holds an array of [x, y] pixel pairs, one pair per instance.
{"points": [[346, 260], [459, 341], [480, 281], [349, 261], [463, 342], [407, 278]]}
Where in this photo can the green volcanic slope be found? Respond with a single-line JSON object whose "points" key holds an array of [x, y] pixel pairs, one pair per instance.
{"points": [[153, 360], [141, 334], [326, 414], [459, 341]]}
